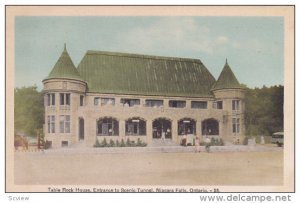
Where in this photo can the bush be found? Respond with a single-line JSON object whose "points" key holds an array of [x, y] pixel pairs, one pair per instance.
{"points": [[207, 147], [47, 144], [111, 143], [104, 143], [245, 141], [117, 143], [139, 142], [216, 142], [97, 143], [122, 143]]}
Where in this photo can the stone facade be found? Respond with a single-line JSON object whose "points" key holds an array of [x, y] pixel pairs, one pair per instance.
{"points": [[72, 115]]}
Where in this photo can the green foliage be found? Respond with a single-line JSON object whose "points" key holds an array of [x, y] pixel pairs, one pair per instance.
{"points": [[118, 143], [111, 143], [104, 143], [207, 147], [47, 144], [122, 143], [28, 110], [264, 110], [97, 143]]}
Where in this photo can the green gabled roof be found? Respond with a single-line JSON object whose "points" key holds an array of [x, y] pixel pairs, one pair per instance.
{"points": [[120, 73], [227, 79], [64, 68]]}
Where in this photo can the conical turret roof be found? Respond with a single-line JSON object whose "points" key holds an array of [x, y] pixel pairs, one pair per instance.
{"points": [[64, 68], [227, 79]]}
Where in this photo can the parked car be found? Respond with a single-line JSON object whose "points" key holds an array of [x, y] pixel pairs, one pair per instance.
{"points": [[278, 138]]}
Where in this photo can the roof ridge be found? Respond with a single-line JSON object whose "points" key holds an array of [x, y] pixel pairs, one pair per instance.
{"points": [[133, 55]]}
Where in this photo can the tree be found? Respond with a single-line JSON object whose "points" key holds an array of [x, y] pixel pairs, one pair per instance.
{"points": [[264, 110], [28, 110]]}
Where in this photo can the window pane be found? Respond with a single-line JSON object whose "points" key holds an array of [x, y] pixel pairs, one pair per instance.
{"points": [[154, 103], [68, 101], [177, 104], [67, 127], [62, 96], [81, 100], [199, 104], [130, 102], [53, 99], [67, 118], [61, 127], [107, 101], [48, 99], [96, 101]]}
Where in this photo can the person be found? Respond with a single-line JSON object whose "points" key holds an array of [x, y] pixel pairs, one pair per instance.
{"points": [[184, 140], [197, 144], [163, 136]]}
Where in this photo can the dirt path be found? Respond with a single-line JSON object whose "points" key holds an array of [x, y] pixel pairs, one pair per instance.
{"points": [[226, 168]]}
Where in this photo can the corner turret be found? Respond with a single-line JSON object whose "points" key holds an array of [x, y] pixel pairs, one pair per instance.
{"points": [[229, 95]]}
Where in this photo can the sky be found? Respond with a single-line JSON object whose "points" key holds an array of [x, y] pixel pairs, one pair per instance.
{"points": [[253, 46]]}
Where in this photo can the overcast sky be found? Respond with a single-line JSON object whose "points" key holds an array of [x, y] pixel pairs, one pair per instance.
{"points": [[252, 45]]}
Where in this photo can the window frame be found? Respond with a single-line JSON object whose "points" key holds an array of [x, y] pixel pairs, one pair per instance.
{"points": [[199, 106], [177, 104]]}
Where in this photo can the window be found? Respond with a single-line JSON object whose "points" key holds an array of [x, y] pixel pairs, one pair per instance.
{"points": [[130, 102], [218, 105], [64, 124], [64, 99], [199, 104], [107, 127], [186, 126], [81, 100], [235, 104], [68, 100], [177, 104], [50, 99], [135, 126], [51, 124], [97, 101], [53, 99], [236, 125], [107, 101], [210, 127], [154, 103]]}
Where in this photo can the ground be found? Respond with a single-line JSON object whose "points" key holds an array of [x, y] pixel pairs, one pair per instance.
{"points": [[217, 168]]}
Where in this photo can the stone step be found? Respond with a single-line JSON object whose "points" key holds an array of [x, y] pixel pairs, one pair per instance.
{"points": [[165, 142]]}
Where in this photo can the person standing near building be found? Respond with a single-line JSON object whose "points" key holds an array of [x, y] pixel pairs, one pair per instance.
{"points": [[163, 136], [197, 144]]}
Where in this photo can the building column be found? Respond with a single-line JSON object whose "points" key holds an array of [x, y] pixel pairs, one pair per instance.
{"points": [[199, 129], [149, 131], [175, 137], [122, 130]]}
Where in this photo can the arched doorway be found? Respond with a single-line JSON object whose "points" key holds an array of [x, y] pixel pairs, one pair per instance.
{"points": [[186, 126], [81, 129], [107, 126], [135, 126], [160, 127], [210, 127]]}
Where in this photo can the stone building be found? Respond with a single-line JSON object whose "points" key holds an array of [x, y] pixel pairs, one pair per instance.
{"points": [[118, 96]]}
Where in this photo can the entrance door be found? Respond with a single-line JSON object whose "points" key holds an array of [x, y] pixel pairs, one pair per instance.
{"points": [[161, 127], [81, 129]]}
